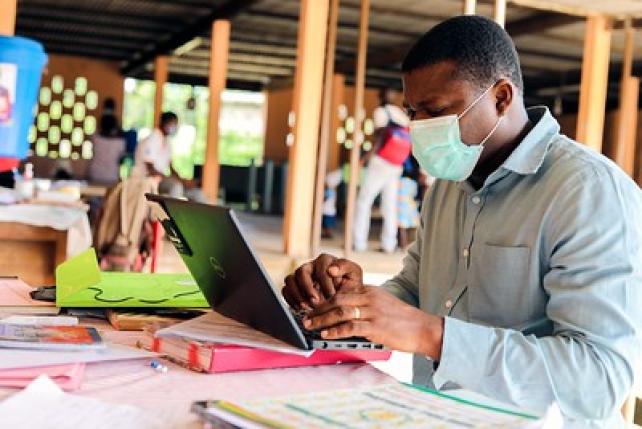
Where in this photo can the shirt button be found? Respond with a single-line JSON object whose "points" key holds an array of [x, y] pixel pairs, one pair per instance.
{"points": [[476, 200], [465, 253], [448, 304]]}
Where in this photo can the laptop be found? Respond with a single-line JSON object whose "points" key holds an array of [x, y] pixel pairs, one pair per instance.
{"points": [[212, 244]]}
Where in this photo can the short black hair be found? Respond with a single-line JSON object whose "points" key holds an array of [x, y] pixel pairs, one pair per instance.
{"points": [[482, 50], [167, 117]]}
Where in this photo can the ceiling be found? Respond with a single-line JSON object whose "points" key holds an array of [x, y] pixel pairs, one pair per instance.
{"points": [[263, 39]]}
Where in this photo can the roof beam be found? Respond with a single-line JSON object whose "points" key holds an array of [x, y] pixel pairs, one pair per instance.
{"points": [[227, 11], [539, 22]]}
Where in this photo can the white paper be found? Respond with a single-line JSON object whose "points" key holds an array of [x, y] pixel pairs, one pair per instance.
{"points": [[43, 405], [15, 358], [215, 328]]}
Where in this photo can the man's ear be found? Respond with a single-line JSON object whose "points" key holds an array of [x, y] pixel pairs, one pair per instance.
{"points": [[504, 94]]}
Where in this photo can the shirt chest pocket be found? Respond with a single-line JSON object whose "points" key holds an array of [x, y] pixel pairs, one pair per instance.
{"points": [[499, 293]]}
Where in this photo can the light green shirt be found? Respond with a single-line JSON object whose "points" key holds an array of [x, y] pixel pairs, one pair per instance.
{"points": [[538, 275]]}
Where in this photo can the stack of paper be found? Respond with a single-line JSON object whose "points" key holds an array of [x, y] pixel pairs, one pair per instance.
{"points": [[67, 377]]}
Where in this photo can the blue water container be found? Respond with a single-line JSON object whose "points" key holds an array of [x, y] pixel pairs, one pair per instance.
{"points": [[21, 63]]}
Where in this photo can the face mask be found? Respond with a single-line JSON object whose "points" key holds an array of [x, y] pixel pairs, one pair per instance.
{"points": [[437, 145]]}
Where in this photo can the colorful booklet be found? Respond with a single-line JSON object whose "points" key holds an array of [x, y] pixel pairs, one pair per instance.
{"points": [[49, 337], [383, 406], [214, 358]]}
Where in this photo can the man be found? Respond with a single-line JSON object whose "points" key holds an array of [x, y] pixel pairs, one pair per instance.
{"points": [[524, 283], [153, 158], [382, 175]]}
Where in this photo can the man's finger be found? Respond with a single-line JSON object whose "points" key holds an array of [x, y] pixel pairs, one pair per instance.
{"points": [[353, 328], [342, 299], [336, 315], [293, 296], [326, 283], [345, 268], [303, 278]]}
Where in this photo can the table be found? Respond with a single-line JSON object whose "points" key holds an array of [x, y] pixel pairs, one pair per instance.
{"points": [[35, 238], [170, 395]]}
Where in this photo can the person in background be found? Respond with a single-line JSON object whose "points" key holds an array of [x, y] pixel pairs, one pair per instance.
{"points": [[407, 207], [384, 161], [109, 148], [329, 219]]}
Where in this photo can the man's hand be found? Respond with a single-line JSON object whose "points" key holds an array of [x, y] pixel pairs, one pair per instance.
{"points": [[316, 281], [382, 318]]}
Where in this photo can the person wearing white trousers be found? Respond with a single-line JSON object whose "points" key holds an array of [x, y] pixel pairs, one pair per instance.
{"points": [[381, 177]]}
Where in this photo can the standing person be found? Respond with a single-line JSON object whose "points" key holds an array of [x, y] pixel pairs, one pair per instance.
{"points": [[384, 167], [525, 281], [329, 218]]}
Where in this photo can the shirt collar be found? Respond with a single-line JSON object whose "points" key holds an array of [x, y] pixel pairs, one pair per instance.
{"points": [[529, 155]]}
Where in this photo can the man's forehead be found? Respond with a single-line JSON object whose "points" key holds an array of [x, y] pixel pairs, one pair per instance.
{"points": [[431, 82]]}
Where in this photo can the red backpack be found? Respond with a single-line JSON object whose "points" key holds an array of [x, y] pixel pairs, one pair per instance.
{"points": [[396, 145]]}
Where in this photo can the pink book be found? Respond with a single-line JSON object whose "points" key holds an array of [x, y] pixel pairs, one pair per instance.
{"points": [[67, 377], [213, 358]]}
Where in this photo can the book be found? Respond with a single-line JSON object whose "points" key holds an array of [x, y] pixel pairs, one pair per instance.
{"points": [[15, 299], [136, 319], [216, 358], [68, 377], [389, 405], [49, 337]]}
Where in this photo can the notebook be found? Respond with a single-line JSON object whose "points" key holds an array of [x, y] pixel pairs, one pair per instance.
{"points": [[215, 358], [390, 405], [49, 337]]}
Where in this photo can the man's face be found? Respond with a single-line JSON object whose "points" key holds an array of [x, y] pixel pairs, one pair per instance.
{"points": [[170, 128], [435, 90]]}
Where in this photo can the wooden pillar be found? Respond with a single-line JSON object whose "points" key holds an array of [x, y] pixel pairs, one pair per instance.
{"points": [[627, 117], [359, 116], [326, 126], [595, 69], [499, 13], [8, 17], [469, 7], [160, 77], [308, 88], [338, 94], [219, 53]]}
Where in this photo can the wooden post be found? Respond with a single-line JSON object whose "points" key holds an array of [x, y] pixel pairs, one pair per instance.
{"points": [[308, 88], [627, 117], [500, 12], [326, 126], [359, 114], [595, 69], [160, 77], [8, 17], [469, 7], [219, 53], [338, 92]]}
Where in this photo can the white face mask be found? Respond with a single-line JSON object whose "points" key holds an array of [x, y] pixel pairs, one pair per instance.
{"points": [[437, 145]]}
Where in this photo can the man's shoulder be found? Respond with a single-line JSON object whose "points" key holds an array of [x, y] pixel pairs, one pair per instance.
{"points": [[568, 160]]}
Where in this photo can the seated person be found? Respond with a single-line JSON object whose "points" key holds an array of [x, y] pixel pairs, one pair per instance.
{"points": [[109, 149], [153, 158], [524, 283]]}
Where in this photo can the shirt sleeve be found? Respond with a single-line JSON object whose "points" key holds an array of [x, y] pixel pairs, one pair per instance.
{"points": [[593, 236]]}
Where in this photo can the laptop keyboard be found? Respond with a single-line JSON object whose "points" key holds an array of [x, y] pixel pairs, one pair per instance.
{"points": [[298, 316]]}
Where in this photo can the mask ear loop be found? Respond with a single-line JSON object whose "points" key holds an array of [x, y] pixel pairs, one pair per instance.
{"points": [[471, 105], [492, 131]]}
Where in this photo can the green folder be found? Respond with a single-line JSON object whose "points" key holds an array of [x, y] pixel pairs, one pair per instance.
{"points": [[80, 283]]}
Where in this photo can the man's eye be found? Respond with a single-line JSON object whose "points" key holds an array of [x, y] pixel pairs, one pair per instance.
{"points": [[436, 112]]}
